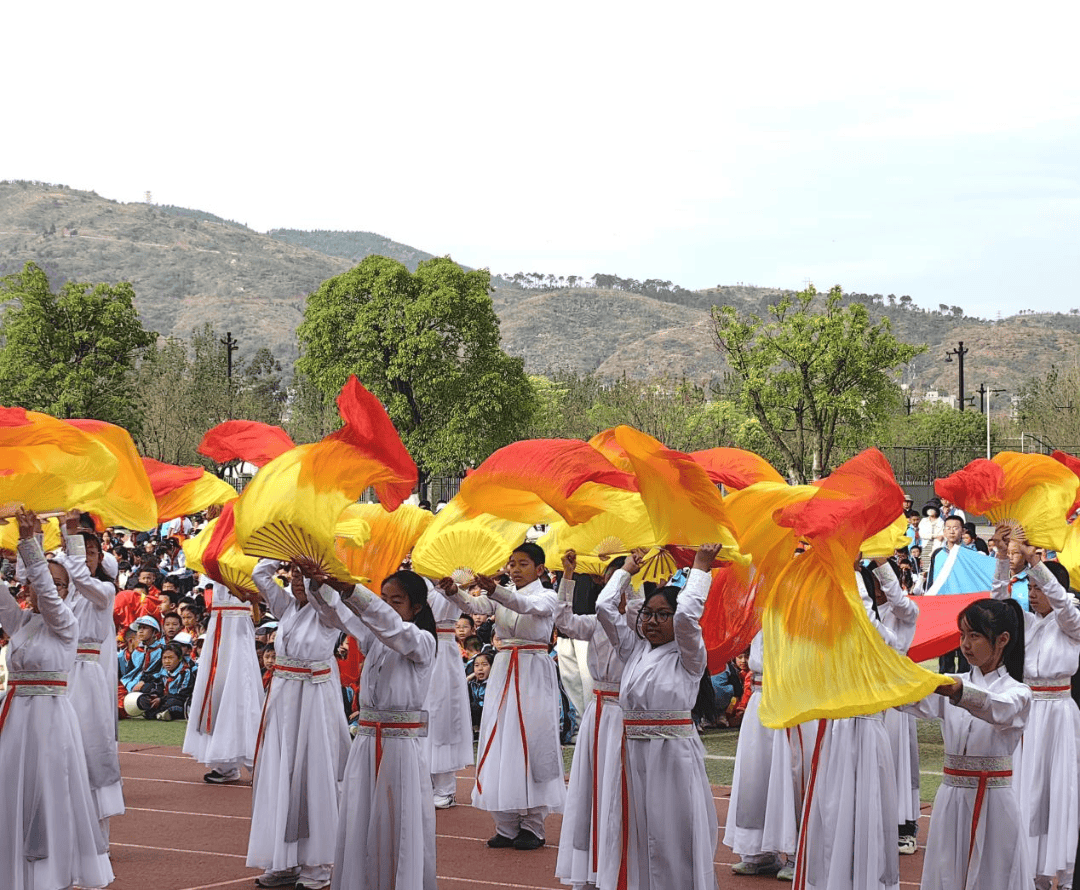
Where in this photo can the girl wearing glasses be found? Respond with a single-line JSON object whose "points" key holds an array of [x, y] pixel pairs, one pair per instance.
{"points": [[666, 831]]}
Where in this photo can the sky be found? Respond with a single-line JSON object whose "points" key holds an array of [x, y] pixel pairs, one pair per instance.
{"points": [[928, 149]]}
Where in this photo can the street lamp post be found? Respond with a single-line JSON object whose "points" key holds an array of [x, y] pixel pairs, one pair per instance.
{"points": [[985, 402], [959, 352]]}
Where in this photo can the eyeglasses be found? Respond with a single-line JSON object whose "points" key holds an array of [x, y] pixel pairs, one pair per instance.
{"points": [[658, 617]]}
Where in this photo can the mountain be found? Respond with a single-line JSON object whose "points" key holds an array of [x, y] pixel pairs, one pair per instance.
{"points": [[189, 268]]}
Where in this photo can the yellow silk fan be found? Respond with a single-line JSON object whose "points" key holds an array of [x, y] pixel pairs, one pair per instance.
{"points": [[460, 547], [887, 541], [215, 553], [9, 533], [380, 540]]}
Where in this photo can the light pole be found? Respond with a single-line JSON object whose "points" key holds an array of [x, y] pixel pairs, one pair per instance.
{"points": [[959, 352], [986, 393]]}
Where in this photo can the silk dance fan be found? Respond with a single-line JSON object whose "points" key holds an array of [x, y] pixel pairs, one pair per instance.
{"points": [[373, 543], [460, 547], [215, 553]]}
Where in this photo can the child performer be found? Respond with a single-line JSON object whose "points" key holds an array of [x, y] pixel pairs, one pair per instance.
{"points": [[519, 773], [51, 835], [303, 743], [662, 821], [761, 822], [899, 613], [1045, 765], [582, 834], [449, 739], [386, 831], [975, 827], [90, 598], [223, 724], [849, 829]]}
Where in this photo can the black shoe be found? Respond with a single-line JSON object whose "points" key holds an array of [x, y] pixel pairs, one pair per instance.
{"points": [[501, 841], [526, 840], [216, 778]]}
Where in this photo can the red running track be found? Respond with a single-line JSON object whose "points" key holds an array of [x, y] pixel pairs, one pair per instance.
{"points": [[180, 833]]}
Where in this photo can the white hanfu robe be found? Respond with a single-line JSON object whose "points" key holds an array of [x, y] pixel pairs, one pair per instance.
{"points": [[987, 722], [449, 741], [223, 722], [92, 681], [386, 828], [900, 614], [583, 832], [51, 837], [515, 774], [850, 833], [304, 741], [1045, 765], [671, 827], [762, 818]]}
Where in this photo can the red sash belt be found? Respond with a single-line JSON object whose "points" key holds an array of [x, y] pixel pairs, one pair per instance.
{"points": [[207, 709], [800, 854], [600, 694], [512, 673], [289, 669], [644, 726], [391, 724], [32, 683], [982, 773]]}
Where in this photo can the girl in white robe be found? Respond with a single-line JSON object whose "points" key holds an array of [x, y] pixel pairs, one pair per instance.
{"points": [[519, 775], [899, 613], [583, 832], [223, 722], [1045, 765], [92, 682], [975, 840], [849, 832], [386, 827], [51, 837], [303, 745], [665, 836], [761, 821], [449, 741]]}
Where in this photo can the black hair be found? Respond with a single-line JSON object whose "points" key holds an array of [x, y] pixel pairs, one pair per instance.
{"points": [[868, 582], [969, 527], [991, 618], [705, 706], [954, 518], [534, 551], [176, 649], [487, 652], [416, 589], [1060, 573], [469, 618], [473, 642], [99, 573], [616, 564], [268, 647], [175, 615]]}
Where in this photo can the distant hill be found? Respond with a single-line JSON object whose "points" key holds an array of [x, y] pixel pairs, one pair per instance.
{"points": [[189, 267]]}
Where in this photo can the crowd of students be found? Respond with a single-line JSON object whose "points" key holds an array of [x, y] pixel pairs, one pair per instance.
{"points": [[355, 711]]}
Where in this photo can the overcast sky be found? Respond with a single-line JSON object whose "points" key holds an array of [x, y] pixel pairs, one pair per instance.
{"points": [[930, 149]]}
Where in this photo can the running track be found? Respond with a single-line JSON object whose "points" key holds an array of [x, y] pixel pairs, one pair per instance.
{"points": [[181, 834]]}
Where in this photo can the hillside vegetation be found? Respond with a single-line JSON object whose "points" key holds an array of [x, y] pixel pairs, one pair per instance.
{"points": [[190, 268]]}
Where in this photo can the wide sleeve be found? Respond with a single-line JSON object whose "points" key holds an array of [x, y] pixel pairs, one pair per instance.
{"points": [[904, 610], [999, 587], [57, 615], [334, 613], [690, 606], [574, 627], [541, 604], [930, 708], [101, 594], [607, 613], [566, 590], [1065, 611], [1007, 707], [384, 623], [474, 605], [277, 597]]}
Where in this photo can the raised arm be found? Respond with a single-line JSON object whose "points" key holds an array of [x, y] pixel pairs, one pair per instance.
{"points": [[689, 607], [611, 620], [904, 609], [101, 593], [1065, 611], [58, 616], [277, 597], [382, 621], [574, 627]]}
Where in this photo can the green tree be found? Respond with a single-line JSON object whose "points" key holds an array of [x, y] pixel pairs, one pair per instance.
{"points": [[426, 344], [811, 373], [184, 389], [937, 440], [71, 353], [1050, 405]]}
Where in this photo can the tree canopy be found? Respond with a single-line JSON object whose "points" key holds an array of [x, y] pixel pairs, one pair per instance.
{"points": [[71, 353], [426, 344], [810, 372]]}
